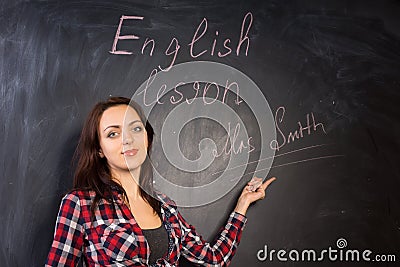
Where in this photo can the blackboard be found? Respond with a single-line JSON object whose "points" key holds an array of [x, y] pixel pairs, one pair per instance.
{"points": [[328, 73]]}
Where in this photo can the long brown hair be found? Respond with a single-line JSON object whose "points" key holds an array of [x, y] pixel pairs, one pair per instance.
{"points": [[92, 171]]}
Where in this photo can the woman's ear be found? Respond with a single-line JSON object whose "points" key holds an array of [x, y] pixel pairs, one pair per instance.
{"points": [[101, 153]]}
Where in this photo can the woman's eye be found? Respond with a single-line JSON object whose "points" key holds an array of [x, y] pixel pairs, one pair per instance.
{"points": [[112, 134], [137, 128]]}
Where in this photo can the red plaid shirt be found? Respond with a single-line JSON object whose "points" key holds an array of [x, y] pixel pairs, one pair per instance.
{"points": [[115, 239]]}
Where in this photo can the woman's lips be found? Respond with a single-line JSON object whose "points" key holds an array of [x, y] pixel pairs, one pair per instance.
{"points": [[131, 152]]}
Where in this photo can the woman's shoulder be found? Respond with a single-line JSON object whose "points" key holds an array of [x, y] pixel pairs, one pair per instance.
{"points": [[79, 195]]}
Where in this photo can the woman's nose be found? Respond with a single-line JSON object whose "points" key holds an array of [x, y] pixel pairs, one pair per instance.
{"points": [[127, 137]]}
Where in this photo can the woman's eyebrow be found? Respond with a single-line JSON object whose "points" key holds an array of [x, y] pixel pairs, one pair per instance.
{"points": [[111, 126], [117, 126], [132, 122]]}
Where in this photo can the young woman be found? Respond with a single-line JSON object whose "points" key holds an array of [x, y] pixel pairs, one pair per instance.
{"points": [[113, 217]]}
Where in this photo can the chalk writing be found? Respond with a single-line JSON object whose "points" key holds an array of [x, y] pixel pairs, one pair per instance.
{"points": [[196, 92], [232, 145], [124, 37], [173, 48], [298, 133]]}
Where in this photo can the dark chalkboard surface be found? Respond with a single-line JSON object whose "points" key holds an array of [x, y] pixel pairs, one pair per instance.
{"points": [[324, 76]]}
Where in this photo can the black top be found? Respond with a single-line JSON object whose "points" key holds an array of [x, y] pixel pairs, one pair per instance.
{"points": [[158, 242]]}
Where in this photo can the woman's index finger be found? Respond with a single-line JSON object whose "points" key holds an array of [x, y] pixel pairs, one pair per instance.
{"points": [[268, 182]]}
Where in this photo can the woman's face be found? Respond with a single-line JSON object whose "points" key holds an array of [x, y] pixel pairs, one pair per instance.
{"points": [[123, 143]]}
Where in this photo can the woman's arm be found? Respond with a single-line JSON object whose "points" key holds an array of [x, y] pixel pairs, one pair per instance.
{"points": [[254, 190], [221, 252], [66, 248]]}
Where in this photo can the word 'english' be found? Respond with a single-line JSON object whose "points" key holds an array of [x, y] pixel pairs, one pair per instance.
{"points": [[214, 49]]}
